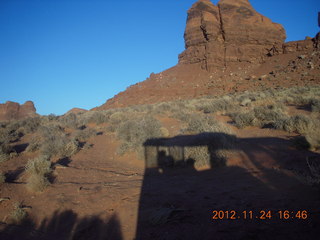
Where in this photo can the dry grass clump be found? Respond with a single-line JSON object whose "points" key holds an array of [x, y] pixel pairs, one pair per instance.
{"points": [[39, 170], [134, 132], [18, 214]]}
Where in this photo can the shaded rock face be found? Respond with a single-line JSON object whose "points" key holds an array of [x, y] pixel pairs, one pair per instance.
{"points": [[230, 32], [14, 111]]}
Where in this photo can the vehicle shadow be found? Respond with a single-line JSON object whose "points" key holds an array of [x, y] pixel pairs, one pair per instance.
{"points": [[225, 201]]}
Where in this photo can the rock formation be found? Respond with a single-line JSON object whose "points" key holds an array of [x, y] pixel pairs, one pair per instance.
{"points": [[14, 111], [228, 48], [230, 32]]}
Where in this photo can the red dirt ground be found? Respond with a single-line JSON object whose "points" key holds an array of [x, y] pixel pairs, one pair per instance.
{"points": [[99, 195]]}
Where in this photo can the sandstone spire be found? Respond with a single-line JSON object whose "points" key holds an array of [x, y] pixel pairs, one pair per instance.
{"points": [[230, 32]]}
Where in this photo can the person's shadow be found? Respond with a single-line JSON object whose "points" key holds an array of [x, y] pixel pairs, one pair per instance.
{"points": [[177, 201]]}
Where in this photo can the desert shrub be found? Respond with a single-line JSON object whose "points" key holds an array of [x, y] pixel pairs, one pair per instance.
{"points": [[60, 146], [243, 120], [299, 123], [245, 102], [199, 155], [164, 132], [69, 120], [313, 139], [162, 107], [315, 105], [50, 130], [135, 132], [34, 143], [180, 114], [216, 105], [39, 170], [83, 135], [30, 125], [99, 117], [4, 135], [6, 151], [10, 133], [54, 142], [268, 114], [118, 117], [18, 214], [259, 116], [203, 123], [2, 178], [213, 151]]}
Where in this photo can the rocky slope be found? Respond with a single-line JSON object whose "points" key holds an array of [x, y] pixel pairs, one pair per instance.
{"points": [[228, 48], [14, 111]]}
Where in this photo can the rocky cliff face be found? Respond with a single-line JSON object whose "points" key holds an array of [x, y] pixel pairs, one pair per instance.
{"points": [[13, 110], [229, 48], [233, 31]]}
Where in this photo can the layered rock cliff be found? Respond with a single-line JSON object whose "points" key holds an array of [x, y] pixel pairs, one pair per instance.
{"points": [[230, 32], [14, 111]]}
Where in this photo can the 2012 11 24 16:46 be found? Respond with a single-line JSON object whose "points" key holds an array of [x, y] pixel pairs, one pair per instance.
{"points": [[261, 215]]}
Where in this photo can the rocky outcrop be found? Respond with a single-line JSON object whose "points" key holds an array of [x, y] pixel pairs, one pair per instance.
{"points": [[14, 111], [233, 31], [76, 111]]}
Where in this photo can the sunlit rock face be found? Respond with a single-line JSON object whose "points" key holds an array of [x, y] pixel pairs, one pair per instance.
{"points": [[232, 31]]}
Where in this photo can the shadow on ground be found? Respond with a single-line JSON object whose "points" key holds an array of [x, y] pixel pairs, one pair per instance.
{"points": [[179, 202], [64, 225]]}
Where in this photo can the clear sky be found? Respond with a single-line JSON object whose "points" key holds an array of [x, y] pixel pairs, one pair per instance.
{"points": [[78, 53]]}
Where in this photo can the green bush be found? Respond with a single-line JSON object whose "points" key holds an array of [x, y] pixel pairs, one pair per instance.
{"points": [[39, 170]]}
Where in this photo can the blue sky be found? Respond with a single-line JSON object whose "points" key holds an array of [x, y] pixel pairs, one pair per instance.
{"points": [[78, 53]]}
